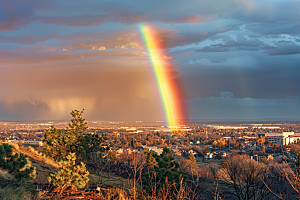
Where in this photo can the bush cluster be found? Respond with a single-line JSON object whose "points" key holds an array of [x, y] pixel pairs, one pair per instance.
{"points": [[17, 164]]}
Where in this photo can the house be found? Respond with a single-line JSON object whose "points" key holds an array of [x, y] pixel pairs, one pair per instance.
{"points": [[209, 155], [178, 153]]}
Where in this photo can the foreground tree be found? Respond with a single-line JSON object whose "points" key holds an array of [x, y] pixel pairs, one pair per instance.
{"points": [[245, 178], [54, 146], [290, 179], [70, 176], [75, 139], [164, 177]]}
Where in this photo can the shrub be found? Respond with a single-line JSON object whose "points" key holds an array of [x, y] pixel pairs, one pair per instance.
{"points": [[70, 175], [17, 164]]}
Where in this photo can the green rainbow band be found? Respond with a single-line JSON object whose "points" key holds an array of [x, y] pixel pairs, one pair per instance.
{"points": [[159, 73]]}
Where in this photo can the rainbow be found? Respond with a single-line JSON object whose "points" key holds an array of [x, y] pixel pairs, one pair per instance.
{"points": [[168, 86]]}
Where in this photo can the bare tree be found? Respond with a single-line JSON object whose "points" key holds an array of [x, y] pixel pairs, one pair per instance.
{"points": [[244, 179], [288, 181]]}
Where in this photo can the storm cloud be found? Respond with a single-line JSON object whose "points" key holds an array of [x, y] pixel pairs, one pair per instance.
{"points": [[235, 57]]}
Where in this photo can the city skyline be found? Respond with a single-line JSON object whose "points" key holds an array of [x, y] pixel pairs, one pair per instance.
{"points": [[233, 59]]}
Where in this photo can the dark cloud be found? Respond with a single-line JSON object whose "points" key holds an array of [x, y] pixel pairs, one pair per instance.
{"points": [[241, 43], [284, 48], [106, 89], [225, 108], [59, 55], [267, 12], [24, 110], [16, 14], [269, 79]]}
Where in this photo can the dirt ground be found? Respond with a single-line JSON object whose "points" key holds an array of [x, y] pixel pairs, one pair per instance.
{"points": [[42, 171]]}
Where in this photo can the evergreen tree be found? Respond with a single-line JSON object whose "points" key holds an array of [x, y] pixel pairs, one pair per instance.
{"points": [[17, 164], [74, 133], [167, 171], [70, 175], [166, 151], [54, 146], [74, 139]]}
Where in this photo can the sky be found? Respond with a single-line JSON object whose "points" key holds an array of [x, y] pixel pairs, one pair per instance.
{"points": [[234, 59]]}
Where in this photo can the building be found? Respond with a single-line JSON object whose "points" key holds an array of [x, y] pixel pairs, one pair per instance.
{"points": [[29, 142], [283, 138]]}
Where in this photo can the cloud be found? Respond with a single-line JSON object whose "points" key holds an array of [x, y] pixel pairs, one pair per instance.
{"points": [[102, 87], [241, 43], [56, 55], [101, 48], [284, 48], [16, 14], [23, 110], [226, 94], [191, 19], [240, 61], [57, 90], [225, 108], [47, 50], [168, 57], [244, 76], [129, 45], [27, 57]]}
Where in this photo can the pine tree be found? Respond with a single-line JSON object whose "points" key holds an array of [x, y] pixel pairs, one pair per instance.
{"points": [[17, 164], [74, 139], [167, 171], [70, 176], [54, 145], [192, 158], [74, 133]]}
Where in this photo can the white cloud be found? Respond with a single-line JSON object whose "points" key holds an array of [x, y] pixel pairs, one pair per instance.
{"points": [[101, 48]]}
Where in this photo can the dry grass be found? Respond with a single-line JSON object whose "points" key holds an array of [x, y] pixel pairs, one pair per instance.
{"points": [[115, 194], [14, 193], [5, 175], [34, 154], [32, 150], [104, 179]]}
